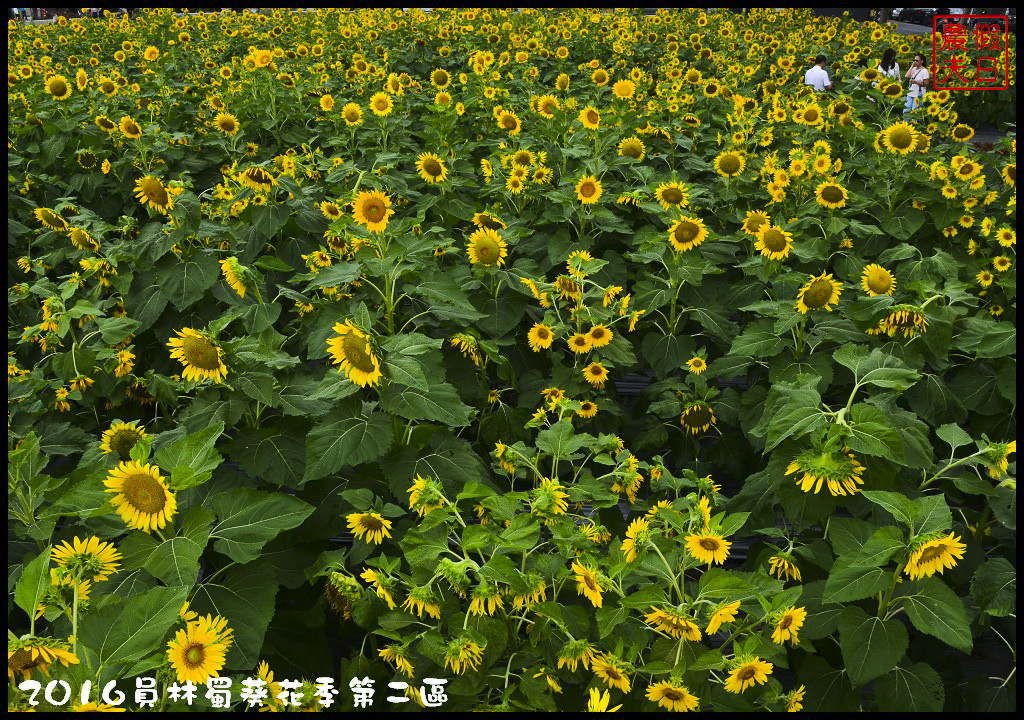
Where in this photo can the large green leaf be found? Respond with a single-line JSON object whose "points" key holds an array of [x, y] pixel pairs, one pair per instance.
{"points": [[936, 610], [917, 688], [245, 597], [870, 646], [994, 587], [439, 403], [194, 452], [247, 519], [125, 631], [176, 561], [334, 443], [34, 580], [559, 440], [849, 582]]}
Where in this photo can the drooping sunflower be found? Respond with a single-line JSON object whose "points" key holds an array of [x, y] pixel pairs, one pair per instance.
{"points": [[672, 194], [233, 275], [782, 566], [130, 128], [200, 355], [697, 417], [372, 209], [50, 219], [395, 654], [746, 673], [588, 190], [708, 547], [673, 622], [463, 654], [257, 178], [540, 337], [596, 374], [422, 600], [687, 233], [730, 163], [58, 86], [431, 168], [795, 698], [30, 653], [673, 696], [486, 247], [906, 319], [150, 190], [839, 472], [612, 670], [997, 458], [774, 243], [196, 654], [226, 123], [381, 104], [599, 701], [105, 123], [371, 524], [121, 438], [351, 350], [819, 293], [830, 194], [587, 583], [934, 556], [722, 614], [899, 138], [141, 498], [92, 559], [636, 534], [788, 625], [876, 280]]}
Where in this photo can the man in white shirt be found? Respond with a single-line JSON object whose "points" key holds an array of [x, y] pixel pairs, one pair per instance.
{"points": [[816, 77]]}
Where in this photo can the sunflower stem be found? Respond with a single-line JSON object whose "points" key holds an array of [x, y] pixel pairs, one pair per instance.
{"points": [[671, 572], [74, 616], [949, 466]]}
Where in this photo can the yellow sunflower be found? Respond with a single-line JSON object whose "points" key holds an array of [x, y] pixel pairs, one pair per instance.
{"points": [[774, 243], [31, 653], [372, 209], [838, 471], [687, 233], [730, 163], [632, 147], [233, 275], [587, 583], [92, 559], [509, 121], [599, 336], [130, 128], [121, 438], [934, 555], [697, 417], [50, 219], [747, 673], [612, 670], [595, 374], [672, 194], [876, 280], [579, 344], [590, 117], [831, 194], [226, 123], [375, 527], [196, 654], [672, 696], [257, 179], [142, 498], [540, 337], [722, 614], [150, 190], [819, 292], [431, 168], [58, 86], [200, 355], [351, 350], [382, 104], [788, 625], [353, 114], [708, 547], [588, 190], [486, 247], [899, 138]]}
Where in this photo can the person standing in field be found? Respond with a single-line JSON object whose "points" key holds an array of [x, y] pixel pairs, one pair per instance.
{"points": [[816, 76], [919, 77]]}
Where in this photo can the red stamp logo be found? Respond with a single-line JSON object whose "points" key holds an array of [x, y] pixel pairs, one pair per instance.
{"points": [[970, 52]]}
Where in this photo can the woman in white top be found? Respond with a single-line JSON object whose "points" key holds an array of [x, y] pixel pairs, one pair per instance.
{"points": [[889, 67], [919, 77]]}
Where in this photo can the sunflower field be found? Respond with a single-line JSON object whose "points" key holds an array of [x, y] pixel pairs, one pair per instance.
{"points": [[540, 360]]}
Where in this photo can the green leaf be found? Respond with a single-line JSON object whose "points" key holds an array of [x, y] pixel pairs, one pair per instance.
{"points": [[114, 330], [338, 274], [756, 344], [247, 519], [870, 646], [934, 609], [439, 403], [828, 689], [176, 561], [333, 443], [899, 506], [559, 440], [411, 344], [872, 434], [875, 368], [195, 452], [953, 435], [987, 338], [185, 281], [257, 385], [994, 587], [261, 316], [849, 582], [931, 514], [34, 581], [880, 547], [127, 631], [917, 688], [847, 535], [406, 371], [245, 597]]}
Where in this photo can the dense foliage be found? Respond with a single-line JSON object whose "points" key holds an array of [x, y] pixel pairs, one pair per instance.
{"points": [[585, 359]]}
